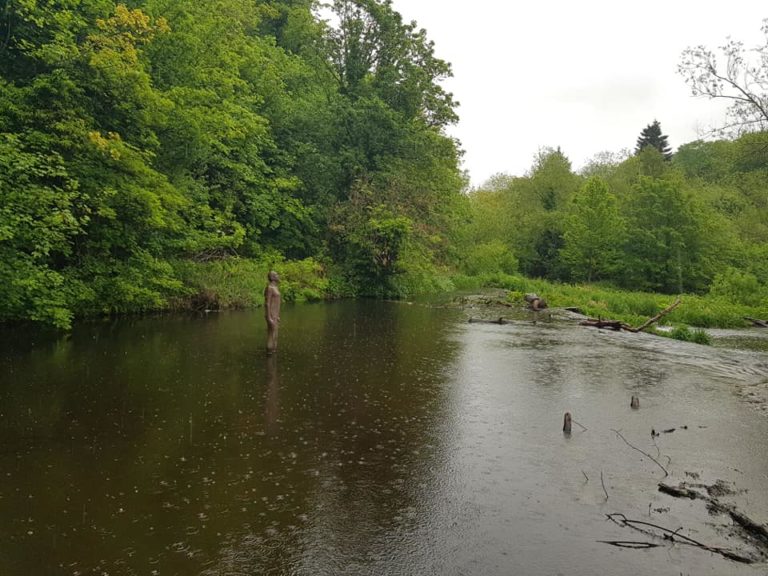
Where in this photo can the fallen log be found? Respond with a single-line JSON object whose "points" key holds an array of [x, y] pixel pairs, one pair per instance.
{"points": [[757, 322], [658, 316], [482, 321], [618, 325], [574, 309], [757, 531], [602, 324]]}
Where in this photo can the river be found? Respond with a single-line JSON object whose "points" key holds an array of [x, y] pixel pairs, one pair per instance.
{"points": [[382, 438]]}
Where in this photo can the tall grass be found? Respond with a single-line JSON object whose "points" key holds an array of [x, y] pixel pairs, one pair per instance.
{"points": [[239, 283], [630, 307]]}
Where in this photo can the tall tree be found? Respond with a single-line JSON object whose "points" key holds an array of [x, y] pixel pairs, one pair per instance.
{"points": [[398, 170], [594, 233], [652, 136]]}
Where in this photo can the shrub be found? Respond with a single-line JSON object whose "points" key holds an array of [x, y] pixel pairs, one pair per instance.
{"points": [[685, 334], [493, 257], [738, 287]]}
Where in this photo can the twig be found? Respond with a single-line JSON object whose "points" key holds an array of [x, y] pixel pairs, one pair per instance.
{"points": [[630, 544], [641, 451], [582, 427], [603, 483], [585, 475], [674, 536], [658, 452]]}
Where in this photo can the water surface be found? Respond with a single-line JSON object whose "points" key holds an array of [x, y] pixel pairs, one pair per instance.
{"points": [[382, 439]]}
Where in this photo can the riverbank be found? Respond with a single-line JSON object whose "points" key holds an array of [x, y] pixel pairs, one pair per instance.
{"points": [[633, 308], [238, 283]]}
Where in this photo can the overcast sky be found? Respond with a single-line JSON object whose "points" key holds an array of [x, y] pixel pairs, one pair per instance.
{"points": [[585, 75]]}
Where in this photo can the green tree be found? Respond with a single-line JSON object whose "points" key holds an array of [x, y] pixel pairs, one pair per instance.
{"points": [[594, 233], [546, 193], [42, 212], [674, 244], [652, 136]]}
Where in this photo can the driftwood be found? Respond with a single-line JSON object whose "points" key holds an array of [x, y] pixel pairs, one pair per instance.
{"points": [[481, 321], [656, 530], [757, 531], [643, 452], [609, 324], [619, 325], [658, 316], [756, 322]]}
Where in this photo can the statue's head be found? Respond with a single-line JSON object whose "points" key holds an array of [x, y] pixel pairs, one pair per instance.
{"points": [[273, 277]]}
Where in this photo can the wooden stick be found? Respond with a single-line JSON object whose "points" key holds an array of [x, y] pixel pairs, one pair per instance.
{"points": [[658, 316], [581, 425], [635, 544], [675, 536], [642, 452]]}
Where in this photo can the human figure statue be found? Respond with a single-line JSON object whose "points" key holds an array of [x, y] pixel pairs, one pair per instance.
{"points": [[272, 310]]}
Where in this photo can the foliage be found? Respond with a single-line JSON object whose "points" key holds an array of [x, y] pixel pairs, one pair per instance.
{"points": [[164, 153], [150, 148], [631, 307], [738, 286], [490, 257], [685, 334], [41, 214], [594, 233], [652, 136], [232, 283]]}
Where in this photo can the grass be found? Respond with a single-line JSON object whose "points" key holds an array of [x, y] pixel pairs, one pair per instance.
{"points": [[234, 283], [633, 308]]}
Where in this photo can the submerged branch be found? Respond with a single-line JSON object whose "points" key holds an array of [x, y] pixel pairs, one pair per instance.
{"points": [[673, 536], [641, 451]]}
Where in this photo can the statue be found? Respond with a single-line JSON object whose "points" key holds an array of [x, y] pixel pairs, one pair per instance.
{"points": [[272, 310]]}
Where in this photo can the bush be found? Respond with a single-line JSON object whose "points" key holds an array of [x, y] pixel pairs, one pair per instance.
{"points": [[301, 280], [738, 287], [492, 257], [687, 335], [239, 282], [142, 283]]}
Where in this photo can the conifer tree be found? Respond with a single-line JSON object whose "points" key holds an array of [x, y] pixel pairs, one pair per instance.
{"points": [[652, 136]]}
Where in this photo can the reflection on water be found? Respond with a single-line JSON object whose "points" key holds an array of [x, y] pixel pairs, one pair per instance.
{"points": [[381, 439]]}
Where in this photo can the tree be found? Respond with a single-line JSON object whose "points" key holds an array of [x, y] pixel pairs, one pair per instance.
{"points": [[673, 242], [652, 136], [594, 232], [741, 79], [41, 214], [372, 51], [551, 184]]}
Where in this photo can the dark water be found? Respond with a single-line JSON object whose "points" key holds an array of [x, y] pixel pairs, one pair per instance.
{"points": [[382, 439]]}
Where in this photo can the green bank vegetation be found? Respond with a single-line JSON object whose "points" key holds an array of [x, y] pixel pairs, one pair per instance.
{"points": [[160, 154]]}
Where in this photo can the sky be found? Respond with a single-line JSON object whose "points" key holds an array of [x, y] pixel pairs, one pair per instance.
{"points": [[584, 75]]}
